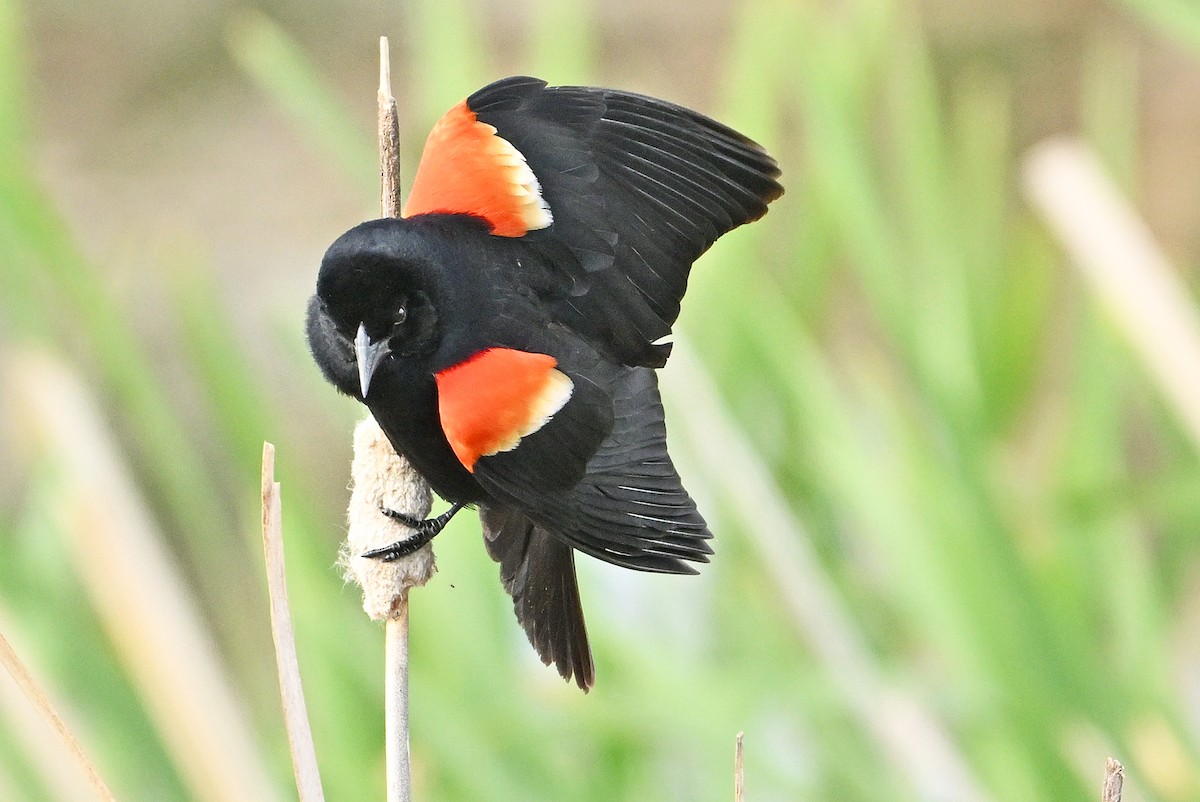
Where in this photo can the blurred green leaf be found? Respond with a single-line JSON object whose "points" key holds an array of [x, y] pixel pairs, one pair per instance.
{"points": [[1177, 19], [285, 75], [1005, 512]]}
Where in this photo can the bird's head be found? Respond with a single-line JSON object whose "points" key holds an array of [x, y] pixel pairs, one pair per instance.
{"points": [[375, 302]]}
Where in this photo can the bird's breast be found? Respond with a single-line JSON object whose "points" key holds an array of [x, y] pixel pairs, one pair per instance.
{"points": [[406, 409]]}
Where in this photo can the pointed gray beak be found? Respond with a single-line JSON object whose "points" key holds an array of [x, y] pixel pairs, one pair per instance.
{"points": [[369, 355]]}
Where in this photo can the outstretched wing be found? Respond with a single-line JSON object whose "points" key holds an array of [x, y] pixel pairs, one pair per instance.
{"points": [[623, 191], [583, 452], [628, 507]]}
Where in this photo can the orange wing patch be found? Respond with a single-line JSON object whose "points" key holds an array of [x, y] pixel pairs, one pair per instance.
{"points": [[492, 400], [468, 168]]}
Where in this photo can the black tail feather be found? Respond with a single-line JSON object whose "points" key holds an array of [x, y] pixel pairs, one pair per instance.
{"points": [[538, 571]]}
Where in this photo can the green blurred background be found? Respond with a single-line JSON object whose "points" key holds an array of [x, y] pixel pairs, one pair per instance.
{"points": [[957, 551]]}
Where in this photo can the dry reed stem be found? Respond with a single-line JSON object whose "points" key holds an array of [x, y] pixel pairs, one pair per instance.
{"points": [[389, 137], [399, 775], [139, 595], [33, 691], [1114, 778], [739, 770], [1117, 255], [382, 478], [295, 711]]}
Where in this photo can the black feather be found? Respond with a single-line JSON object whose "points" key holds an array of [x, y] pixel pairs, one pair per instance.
{"points": [[638, 188], [538, 571]]}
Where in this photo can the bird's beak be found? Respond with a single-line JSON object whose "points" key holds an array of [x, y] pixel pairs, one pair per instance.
{"points": [[369, 355]]}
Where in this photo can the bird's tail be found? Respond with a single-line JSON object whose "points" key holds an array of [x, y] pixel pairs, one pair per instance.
{"points": [[538, 571]]}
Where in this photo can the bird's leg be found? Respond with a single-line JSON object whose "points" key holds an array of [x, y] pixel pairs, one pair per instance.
{"points": [[424, 532]]}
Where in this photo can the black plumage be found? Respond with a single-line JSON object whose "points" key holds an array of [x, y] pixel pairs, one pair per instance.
{"points": [[637, 189]]}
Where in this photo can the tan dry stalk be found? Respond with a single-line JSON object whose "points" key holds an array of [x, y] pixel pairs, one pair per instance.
{"points": [[382, 478], [139, 595], [295, 711], [739, 770], [1114, 778], [40, 700], [1118, 257]]}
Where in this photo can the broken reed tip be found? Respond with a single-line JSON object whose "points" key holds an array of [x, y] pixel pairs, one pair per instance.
{"points": [[1114, 779], [385, 70]]}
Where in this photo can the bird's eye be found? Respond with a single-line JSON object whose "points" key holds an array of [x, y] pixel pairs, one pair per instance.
{"points": [[401, 315]]}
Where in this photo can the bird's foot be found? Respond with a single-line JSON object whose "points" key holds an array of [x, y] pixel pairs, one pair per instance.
{"points": [[423, 532]]}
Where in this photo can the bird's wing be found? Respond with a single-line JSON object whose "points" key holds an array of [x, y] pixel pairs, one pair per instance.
{"points": [[514, 414], [581, 448], [624, 503], [624, 192], [632, 508]]}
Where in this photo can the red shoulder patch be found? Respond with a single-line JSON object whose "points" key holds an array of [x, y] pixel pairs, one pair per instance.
{"points": [[467, 168], [492, 400]]}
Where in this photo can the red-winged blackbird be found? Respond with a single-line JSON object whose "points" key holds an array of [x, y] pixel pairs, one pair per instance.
{"points": [[504, 333]]}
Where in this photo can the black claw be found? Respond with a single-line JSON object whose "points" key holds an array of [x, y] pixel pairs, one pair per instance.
{"points": [[423, 532], [418, 524]]}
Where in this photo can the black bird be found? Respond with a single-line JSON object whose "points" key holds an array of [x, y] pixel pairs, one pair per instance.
{"points": [[504, 333]]}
